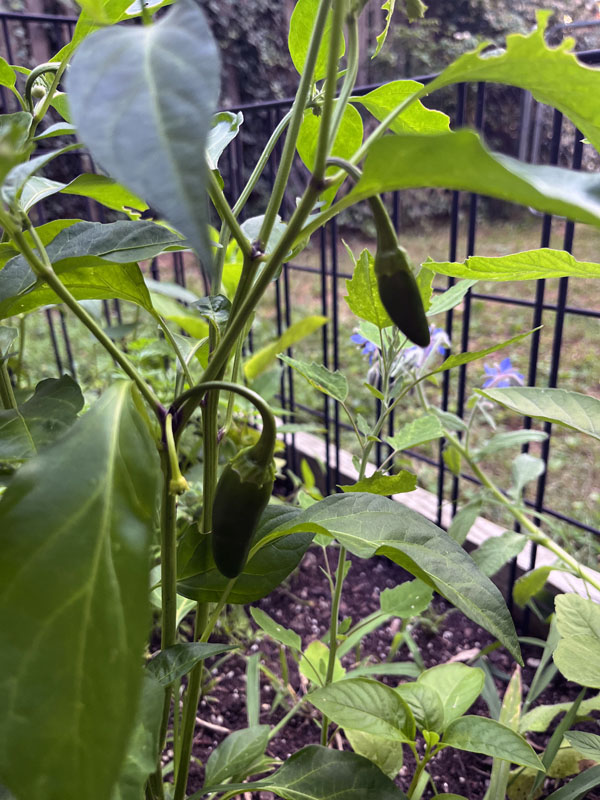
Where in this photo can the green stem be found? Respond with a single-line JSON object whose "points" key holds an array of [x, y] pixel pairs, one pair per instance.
{"points": [[178, 354], [20, 357], [40, 112], [297, 115], [333, 631], [42, 267], [7, 396], [284, 720], [36, 72], [226, 214], [421, 764], [352, 60]]}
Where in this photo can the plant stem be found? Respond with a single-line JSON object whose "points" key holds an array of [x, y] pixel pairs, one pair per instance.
{"points": [[173, 342], [352, 59], [333, 629], [7, 396], [297, 114], [226, 214]]}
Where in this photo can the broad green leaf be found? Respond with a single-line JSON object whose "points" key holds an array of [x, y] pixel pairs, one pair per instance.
{"points": [[75, 530], [459, 160], [363, 295], [104, 12], [526, 266], [225, 126], [332, 383], [108, 281], [261, 360], [457, 685], [464, 520], [36, 189], [525, 468], [574, 410], [314, 661], [7, 337], [528, 585], [452, 459], [366, 705], [176, 661], [491, 738], [200, 579], [415, 9], [465, 358], [14, 145], [539, 719], [510, 714], [301, 26], [421, 430], [276, 631], [251, 228], [18, 176], [214, 309], [406, 600], [57, 129], [450, 298], [106, 191], [367, 524], [319, 773], [142, 751], [577, 789], [424, 280], [347, 141], [385, 485], [425, 704], [577, 615], [554, 76], [497, 551], [47, 414], [588, 744], [578, 659], [404, 669], [385, 753], [7, 74], [236, 755], [501, 441], [153, 138], [388, 7], [414, 119]]}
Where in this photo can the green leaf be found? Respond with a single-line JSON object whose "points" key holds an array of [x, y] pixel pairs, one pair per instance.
{"points": [[142, 752], [153, 139], [301, 26], [425, 704], [106, 191], [7, 74], [14, 141], [577, 616], [406, 600], [45, 416], [491, 738], [174, 662], [497, 551], [578, 659], [367, 524], [214, 309], [225, 126], [525, 468], [363, 294], [189, 320], [200, 580], [385, 485], [527, 586], [526, 266], [452, 459], [459, 160], [539, 719], [75, 530], [414, 119], [554, 76], [388, 7], [235, 755], [385, 753], [331, 383], [421, 430], [251, 228], [57, 129], [36, 189], [365, 705], [314, 661], [588, 744], [450, 298], [108, 281], [104, 12], [463, 521], [580, 412], [578, 788], [261, 360], [18, 176], [7, 337], [509, 715], [457, 685], [500, 441], [319, 773], [465, 358], [415, 9], [276, 631]]}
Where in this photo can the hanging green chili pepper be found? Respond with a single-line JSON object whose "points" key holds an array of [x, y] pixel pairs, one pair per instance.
{"points": [[396, 282]]}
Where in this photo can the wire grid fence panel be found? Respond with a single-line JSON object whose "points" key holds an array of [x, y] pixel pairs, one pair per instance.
{"points": [[324, 268]]}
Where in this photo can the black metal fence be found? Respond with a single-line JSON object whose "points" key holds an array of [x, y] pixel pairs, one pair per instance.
{"points": [[548, 305]]}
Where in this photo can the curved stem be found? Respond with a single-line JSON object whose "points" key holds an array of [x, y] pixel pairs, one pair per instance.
{"points": [[333, 629], [172, 341], [36, 72], [227, 216]]}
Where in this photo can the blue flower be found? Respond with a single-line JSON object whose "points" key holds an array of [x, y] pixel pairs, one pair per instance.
{"points": [[502, 375], [415, 356], [368, 348]]}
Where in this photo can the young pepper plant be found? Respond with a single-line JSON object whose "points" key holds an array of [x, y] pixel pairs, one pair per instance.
{"points": [[78, 519]]}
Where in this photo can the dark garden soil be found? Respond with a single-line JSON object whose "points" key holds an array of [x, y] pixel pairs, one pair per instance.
{"points": [[303, 605]]}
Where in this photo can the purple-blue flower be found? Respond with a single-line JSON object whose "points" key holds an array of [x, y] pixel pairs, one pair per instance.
{"points": [[502, 375], [368, 348], [415, 356]]}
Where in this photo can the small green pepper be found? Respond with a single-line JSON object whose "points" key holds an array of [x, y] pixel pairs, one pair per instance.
{"points": [[241, 496], [396, 282]]}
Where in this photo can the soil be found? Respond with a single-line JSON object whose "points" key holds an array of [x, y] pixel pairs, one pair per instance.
{"points": [[302, 604]]}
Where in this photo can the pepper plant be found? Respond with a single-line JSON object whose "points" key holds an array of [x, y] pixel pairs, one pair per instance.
{"points": [[88, 521]]}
